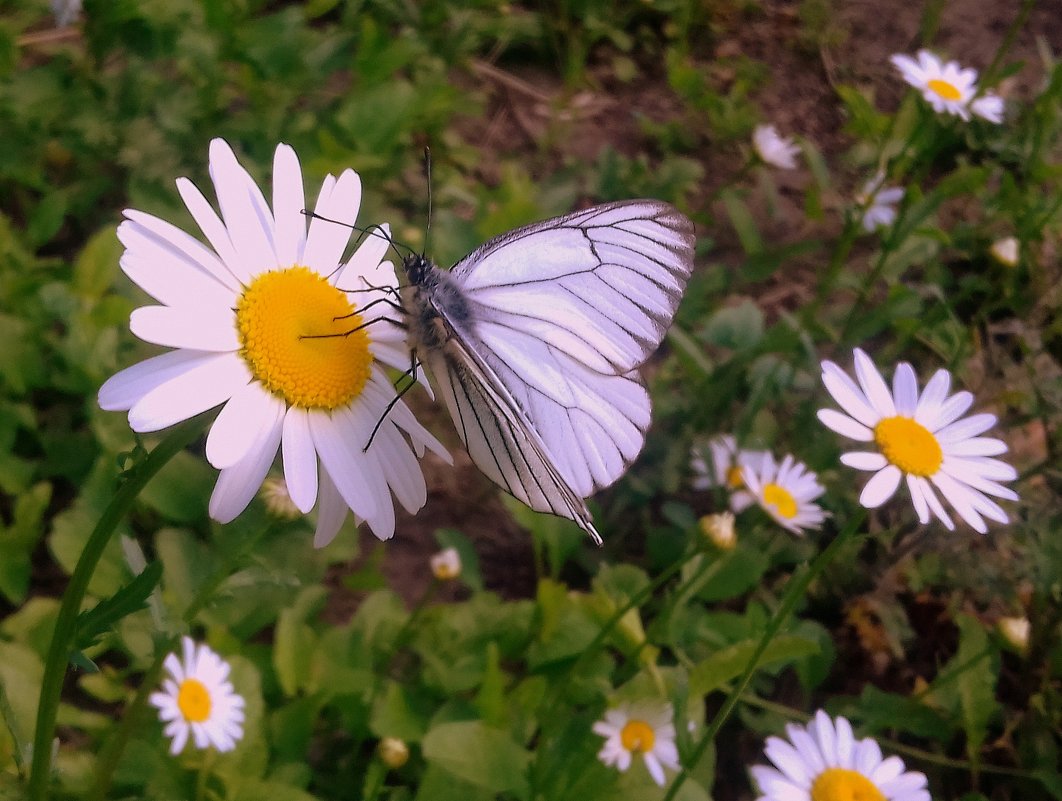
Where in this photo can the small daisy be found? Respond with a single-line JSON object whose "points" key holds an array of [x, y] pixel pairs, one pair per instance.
{"points": [[1006, 251], [787, 493], [198, 697], [825, 762], [266, 323], [947, 87], [778, 151], [921, 438], [718, 463], [642, 728], [446, 564], [878, 202]]}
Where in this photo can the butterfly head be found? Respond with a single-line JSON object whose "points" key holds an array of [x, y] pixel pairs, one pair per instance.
{"points": [[419, 268]]}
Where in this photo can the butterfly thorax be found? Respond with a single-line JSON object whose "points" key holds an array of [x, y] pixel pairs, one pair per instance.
{"points": [[433, 302]]}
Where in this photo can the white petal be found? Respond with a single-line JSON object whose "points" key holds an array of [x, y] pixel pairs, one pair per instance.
{"points": [[148, 237], [289, 201], [237, 485], [300, 459], [240, 423], [824, 733], [873, 385], [905, 389], [172, 283], [952, 409], [363, 269], [966, 428], [327, 240], [122, 390], [848, 396], [918, 499], [845, 425], [864, 460], [345, 469], [880, 487], [195, 390], [975, 446], [935, 506], [787, 759], [655, 769], [213, 229], [957, 496], [239, 199], [954, 468], [182, 328], [932, 397]]}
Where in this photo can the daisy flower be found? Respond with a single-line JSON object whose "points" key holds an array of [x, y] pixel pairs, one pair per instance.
{"points": [[787, 492], [199, 698], [642, 728], [266, 323], [446, 564], [719, 529], [947, 87], [1015, 631], [718, 463], [920, 438], [878, 202], [778, 151], [825, 762]]}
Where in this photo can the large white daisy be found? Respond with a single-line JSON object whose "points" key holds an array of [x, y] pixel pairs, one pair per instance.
{"points": [[787, 492], [718, 463], [198, 698], [947, 87], [643, 728], [920, 438], [266, 321], [825, 762]]}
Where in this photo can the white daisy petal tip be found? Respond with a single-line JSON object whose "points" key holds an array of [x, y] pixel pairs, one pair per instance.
{"points": [[199, 699], [641, 728], [824, 760], [259, 326], [924, 438], [774, 149]]}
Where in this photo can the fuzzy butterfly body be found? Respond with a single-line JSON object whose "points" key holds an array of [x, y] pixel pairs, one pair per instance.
{"points": [[534, 340]]}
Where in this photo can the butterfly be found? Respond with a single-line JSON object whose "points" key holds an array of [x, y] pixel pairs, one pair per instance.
{"points": [[534, 341]]}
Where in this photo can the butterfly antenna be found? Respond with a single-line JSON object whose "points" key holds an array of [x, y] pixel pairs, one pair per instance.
{"points": [[427, 178], [372, 230]]}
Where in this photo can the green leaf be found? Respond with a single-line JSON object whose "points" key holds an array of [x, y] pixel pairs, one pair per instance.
{"points": [[736, 327], [976, 683], [294, 640], [401, 712], [743, 221], [93, 623], [881, 711], [470, 572], [481, 755], [730, 662]]}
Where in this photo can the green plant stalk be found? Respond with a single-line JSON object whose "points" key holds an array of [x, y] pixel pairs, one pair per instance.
{"points": [[62, 637], [795, 589]]}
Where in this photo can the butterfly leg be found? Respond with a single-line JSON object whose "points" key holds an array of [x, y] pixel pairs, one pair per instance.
{"points": [[411, 373]]}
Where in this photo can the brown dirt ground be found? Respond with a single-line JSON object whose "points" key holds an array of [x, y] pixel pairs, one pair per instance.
{"points": [[798, 97]]}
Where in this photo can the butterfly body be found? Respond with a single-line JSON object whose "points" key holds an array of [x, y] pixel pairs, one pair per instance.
{"points": [[534, 340]]}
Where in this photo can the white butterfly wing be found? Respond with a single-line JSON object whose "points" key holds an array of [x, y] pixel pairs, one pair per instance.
{"points": [[600, 285], [499, 437], [562, 312]]}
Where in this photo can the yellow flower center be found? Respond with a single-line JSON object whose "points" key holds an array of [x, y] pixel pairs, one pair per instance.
{"points": [[734, 479], [946, 90], [781, 499], [297, 336], [637, 735], [840, 784], [909, 445], [193, 700]]}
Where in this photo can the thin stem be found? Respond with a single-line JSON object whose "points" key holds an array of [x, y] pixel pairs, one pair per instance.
{"points": [[1008, 41], [795, 589], [66, 621]]}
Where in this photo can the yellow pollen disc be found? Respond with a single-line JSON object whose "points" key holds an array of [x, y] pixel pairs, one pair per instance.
{"points": [[840, 784], [297, 336], [781, 499], [946, 90], [908, 445], [734, 479], [637, 735], [193, 700]]}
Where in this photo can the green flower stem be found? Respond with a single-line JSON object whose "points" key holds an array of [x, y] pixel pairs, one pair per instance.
{"points": [[795, 589], [65, 624]]}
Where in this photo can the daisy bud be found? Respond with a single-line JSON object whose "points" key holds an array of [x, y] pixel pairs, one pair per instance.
{"points": [[1015, 630], [446, 564], [1005, 251], [719, 529], [393, 752]]}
